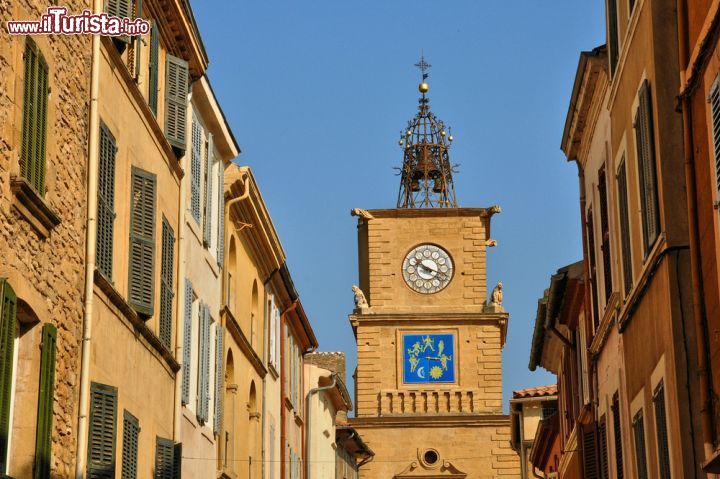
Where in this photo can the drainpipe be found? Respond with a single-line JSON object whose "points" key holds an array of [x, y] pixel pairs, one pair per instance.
{"points": [[90, 252], [226, 213], [180, 303], [308, 434], [697, 282]]}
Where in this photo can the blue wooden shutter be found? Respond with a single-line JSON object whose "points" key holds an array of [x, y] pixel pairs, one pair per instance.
{"points": [[207, 223], [142, 242], [218, 377], [204, 369], [153, 74], [176, 90], [167, 268], [122, 9], [187, 333], [34, 126], [131, 433], [195, 168], [164, 459], [8, 313], [106, 202], [101, 445], [221, 214], [43, 434]]}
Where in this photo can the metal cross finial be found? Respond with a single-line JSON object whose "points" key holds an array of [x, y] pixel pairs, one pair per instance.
{"points": [[423, 66]]}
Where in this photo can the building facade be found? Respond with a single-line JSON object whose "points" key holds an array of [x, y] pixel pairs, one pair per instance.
{"points": [[529, 408], [428, 380]]}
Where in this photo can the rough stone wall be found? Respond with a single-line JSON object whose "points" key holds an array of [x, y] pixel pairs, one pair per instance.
{"points": [[332, 361], [48, 274]]}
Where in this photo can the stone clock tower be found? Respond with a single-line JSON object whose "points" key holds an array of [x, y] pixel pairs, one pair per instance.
{"points": [[429, 337]]}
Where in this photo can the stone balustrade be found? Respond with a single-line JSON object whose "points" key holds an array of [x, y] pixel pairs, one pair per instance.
{"points": [[437, 401]]}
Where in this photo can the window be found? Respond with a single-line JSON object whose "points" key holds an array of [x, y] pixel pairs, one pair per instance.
{"points": [[195, 168], [187, 338], [153, 73], [101, 442], [131, 431], [166, 284], [176, 89], [602, 449], [274, 327], [590, 459], [715, 114], [34, 125], [221, 213], [8, 325], [142, 242], [624, 227], [122, 9], [617, 432], [208, 188], [218, 377], [203, 393], [661, 429], [106, 202], [593, 267], [43, 444], [639, 437], [644, 134], [167, 459], [605, 234], [631, 6], [613, 38]]}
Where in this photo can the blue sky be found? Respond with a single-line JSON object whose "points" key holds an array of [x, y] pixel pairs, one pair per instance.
{"points": [[317, 92]]}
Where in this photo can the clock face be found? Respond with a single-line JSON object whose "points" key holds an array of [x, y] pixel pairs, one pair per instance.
{"points": [[427, 268]]}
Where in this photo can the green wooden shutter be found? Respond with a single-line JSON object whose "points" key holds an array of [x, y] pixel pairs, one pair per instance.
{"points": [[43, 436], [204, 369], [207, 221], [187, 334], [34, 132], [142, 242], [8, 320], [153, 73], [221, 214], [177, 460], [122, 9], [101, 445], [644, 134], [176, 89], [218, 377], [639, 436], [106, 202], [661, 431], [131, 433], [166, 284], [164, 458], [195, 168]]}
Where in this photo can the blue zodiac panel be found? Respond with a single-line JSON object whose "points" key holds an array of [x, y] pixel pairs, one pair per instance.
{"points": [[428, 358]]}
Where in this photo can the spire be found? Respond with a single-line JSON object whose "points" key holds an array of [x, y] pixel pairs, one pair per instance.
{"points": [[426, 174]]}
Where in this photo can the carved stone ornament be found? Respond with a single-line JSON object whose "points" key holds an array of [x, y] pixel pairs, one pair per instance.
{"points": [[361, 303]]}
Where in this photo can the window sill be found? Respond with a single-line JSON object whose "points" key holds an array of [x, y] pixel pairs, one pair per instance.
{"points": [[33, 206], [273, 372], [603, 330], [138, 324]]}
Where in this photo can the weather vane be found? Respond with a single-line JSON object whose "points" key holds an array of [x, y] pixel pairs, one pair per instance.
{"points": [[423, 66]]}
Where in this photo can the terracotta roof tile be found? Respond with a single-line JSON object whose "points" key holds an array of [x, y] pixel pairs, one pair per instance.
{"points": [[539, 391]]}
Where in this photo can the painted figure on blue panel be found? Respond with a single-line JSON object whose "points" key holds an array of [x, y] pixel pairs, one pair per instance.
{"points": [[428, 358]]}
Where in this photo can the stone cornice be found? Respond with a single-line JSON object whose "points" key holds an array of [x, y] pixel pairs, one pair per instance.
{"points": [[241, 340], [433, 212], [460, 420]]}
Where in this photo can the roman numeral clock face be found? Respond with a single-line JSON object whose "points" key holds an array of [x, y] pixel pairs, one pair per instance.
{"points": [[427, 268]]}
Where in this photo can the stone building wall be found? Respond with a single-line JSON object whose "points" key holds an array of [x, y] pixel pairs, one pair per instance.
{"points": [[47, 273]]}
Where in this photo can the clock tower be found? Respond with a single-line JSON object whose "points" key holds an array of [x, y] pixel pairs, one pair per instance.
{"points": [[429, 338]]}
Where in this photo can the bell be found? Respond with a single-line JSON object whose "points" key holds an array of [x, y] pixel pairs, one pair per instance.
{"points": [[437, 186], [415, 185]]}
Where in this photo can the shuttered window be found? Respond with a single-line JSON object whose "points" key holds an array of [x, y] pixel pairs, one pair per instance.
{"points": [[624, 227], [176, 90], [645, 140], [101, 445], [591, 463], [177, 460], [8, 324], [164, 459], [195, 168], [639, 438], [122, 9], [166, 283], [106, 202], [203, 397], [131, 433], [153, 68], [715, 115], [208, 182], [613, 38], [187, 336], [34, 125], [590, 228], [617, 433], [221, 214], [661, 430], [142, 242], [43, 435], [603, 449], [218, 377], [605, 234]]}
